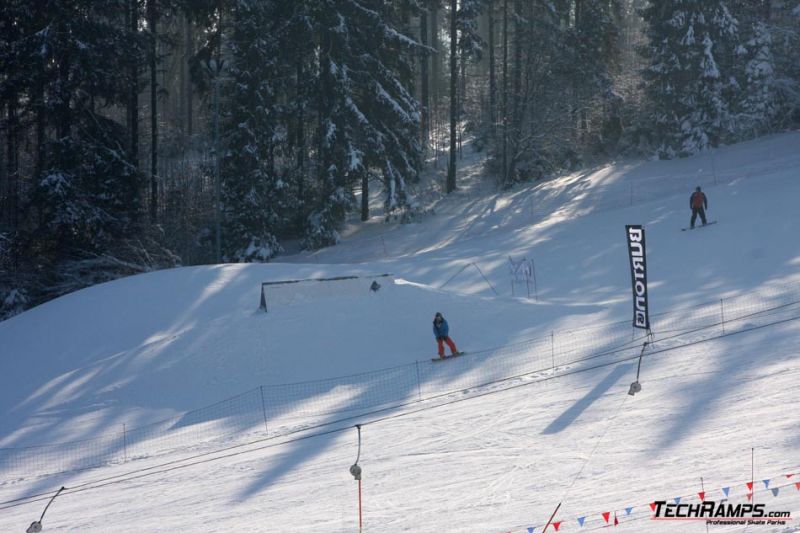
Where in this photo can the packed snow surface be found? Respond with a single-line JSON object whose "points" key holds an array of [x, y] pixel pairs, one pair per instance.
{"points": [[536, 414]]}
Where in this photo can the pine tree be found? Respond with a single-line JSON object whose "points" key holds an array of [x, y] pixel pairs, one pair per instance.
{"points": [[686, 83], [252, 192], [368, 118], [759, 106]]}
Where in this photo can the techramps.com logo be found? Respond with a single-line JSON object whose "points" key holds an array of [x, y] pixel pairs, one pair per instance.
{"points": [[720, 513]]}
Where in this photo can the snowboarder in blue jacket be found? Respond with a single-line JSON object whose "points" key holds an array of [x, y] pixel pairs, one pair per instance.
{"points": [[441, 331]]}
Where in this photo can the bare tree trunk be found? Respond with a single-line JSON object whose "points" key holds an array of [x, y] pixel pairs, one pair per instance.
{"points": [[38, 98], [451, 167], [518, 42], [492, 77], [152, 19], [12, 167], [365, 197], [505, 93], [300, 163], [188, 88], [424, 79], [133, 90], [436, 70]]}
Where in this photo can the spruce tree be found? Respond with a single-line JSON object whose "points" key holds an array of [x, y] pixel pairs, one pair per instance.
{"points": [[252, 192], [686, 83], [368, 118]]}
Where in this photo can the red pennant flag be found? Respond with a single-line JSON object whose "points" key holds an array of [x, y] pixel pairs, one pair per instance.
{"points": [[749, 485], [702, 496], [606, 516], [653, 506], [797, 485], [749, 496], [556, 525], [789, 476], [616, 522]]}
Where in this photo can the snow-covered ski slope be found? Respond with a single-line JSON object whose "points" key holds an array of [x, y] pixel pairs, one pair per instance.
{"points": [[489, 442]]}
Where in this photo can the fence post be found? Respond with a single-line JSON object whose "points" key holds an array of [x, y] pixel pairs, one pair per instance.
{"points": [[722, 314], [553, 350], [124, 444], [419, 382], [263, 408]]}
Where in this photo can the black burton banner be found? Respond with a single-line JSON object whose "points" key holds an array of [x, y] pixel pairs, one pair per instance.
{"points": [[636, 247]]}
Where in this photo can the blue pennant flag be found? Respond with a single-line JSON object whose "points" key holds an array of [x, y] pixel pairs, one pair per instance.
{"points": [[530, 529], [678, 500], [775, 491], [766, 483], [628, 510], [726, 490], [581, 520]]}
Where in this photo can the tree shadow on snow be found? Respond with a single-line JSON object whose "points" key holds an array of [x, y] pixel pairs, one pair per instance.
{"points": [[570, 415]]}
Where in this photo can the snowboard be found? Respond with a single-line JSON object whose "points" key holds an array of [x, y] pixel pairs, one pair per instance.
{"points": [[699, 226], [457, 354]]}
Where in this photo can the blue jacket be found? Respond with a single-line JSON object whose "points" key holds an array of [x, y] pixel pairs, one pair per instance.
{"points": [[442, 330]]}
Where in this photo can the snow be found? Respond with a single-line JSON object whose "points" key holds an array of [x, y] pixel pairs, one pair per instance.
{"points": [[492, 441]]}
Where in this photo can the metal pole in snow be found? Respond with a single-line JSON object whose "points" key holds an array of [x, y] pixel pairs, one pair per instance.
{"points": [[360, 521], [264, 408], [551, 517]]}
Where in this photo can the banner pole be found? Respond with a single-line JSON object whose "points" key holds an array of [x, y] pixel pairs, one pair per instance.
{"points": [[551, 518]]}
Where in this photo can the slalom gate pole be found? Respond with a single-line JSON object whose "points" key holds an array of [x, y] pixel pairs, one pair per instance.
{"points": [[360, 520]]}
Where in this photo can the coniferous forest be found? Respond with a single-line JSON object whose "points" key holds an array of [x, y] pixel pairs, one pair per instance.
{"points": [[144, 134]]}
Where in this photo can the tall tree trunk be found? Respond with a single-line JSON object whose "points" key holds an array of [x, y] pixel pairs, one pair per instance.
{"points": [[365, 197], [41, 117], [300, 164], [424, 79], [451, 167], [12, 167], [436, 70], [133, 87], [518, 42], [505, 93], [188, 90], [492, 78], [152, 18], [63, 112]]}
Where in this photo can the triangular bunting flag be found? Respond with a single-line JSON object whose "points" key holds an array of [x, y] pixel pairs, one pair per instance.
{"points": [[702, 496], [789, 476], [726, 490], [677, 500], [606, 516], [749, 485], [581, 520], [530, 529], [616, 522], [766, 483], [775, 491], [556, 525], [653, 506], [628, 510], [749, 496], [797, 485]]}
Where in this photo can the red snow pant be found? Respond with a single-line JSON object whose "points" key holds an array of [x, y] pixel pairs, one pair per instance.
{"points": [[449, 342]]}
